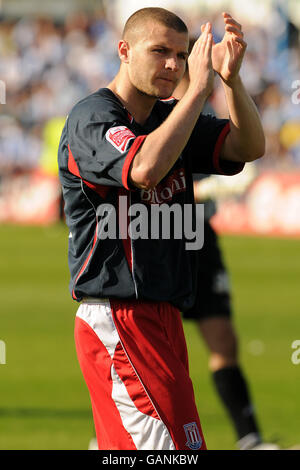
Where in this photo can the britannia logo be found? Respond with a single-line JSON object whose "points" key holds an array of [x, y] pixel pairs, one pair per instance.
{"points": [[119, 137], [194, 440]]}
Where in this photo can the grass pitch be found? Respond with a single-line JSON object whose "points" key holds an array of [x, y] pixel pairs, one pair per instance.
{"points": [[44, 402]]}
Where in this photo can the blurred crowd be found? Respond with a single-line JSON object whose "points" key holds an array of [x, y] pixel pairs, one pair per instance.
{"points": [[48, 65]]}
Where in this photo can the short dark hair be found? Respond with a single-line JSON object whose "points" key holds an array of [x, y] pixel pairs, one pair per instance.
{"points": [[160, 15]]}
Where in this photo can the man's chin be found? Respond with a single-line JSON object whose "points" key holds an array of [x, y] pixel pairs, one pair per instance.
{"points": [[165, 94], [161, 93]]}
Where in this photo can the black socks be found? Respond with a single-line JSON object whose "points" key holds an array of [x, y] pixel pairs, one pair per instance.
{"points": [[233, 390]]}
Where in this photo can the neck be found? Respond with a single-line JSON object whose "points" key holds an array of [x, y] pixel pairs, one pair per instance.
{"points": [[137, 103]]}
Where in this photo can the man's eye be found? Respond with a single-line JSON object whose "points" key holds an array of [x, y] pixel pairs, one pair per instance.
{"points": [[158, 50]]}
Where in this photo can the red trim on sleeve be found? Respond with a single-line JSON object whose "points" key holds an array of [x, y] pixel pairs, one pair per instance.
{"points": [[131, 154]]}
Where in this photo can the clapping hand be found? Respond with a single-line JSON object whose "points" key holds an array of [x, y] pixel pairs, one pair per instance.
{"points": [[227, 55]]}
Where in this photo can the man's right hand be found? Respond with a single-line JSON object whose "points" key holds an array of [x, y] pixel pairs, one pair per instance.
{"points": [[163, 146], [201, 71]]}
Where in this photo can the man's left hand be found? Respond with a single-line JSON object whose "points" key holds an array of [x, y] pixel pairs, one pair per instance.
{"points": [[227, 55]]}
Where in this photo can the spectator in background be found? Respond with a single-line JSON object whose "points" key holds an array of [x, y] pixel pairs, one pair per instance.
{"points": [[46, 61], [212, 310]]}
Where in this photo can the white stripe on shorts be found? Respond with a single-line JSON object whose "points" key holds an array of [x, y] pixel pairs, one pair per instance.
{"points": [[147, 433]]}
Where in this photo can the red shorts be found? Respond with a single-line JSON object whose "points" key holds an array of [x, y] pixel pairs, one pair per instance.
{"points": [[134, 360]]}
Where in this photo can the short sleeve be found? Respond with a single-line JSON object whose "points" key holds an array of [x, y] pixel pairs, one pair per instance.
{"points": [[205, 144], [101, 145]]}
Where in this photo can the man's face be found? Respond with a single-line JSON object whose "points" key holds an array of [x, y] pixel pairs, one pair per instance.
{"points": [[157, 60]]}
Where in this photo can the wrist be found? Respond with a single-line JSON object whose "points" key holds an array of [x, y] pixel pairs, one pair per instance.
{"points": [[196, 98], [233, 82]]}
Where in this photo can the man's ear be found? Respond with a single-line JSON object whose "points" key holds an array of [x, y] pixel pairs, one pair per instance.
{"points": [[123, 49]]}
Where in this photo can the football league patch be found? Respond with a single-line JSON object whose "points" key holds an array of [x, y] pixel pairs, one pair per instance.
{"points": [[194, 440], [119, 137]]}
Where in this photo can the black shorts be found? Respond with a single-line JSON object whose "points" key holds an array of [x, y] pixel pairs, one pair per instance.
{"points": [[213, 291]]}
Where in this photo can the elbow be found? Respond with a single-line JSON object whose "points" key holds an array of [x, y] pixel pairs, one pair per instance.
{"points": [[256, 152], [144, 178], [148, 182], [141, 174], [247, 150], [260, 149], [251, 157]]}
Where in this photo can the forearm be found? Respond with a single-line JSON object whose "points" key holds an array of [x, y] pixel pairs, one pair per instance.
{"points": [[246, 140], [163, 146]]}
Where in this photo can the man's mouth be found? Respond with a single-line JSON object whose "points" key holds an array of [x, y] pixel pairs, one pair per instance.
{"points": [[166, 80]]}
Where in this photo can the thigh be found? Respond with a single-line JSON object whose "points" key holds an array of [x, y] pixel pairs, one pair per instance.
{"points": [[220, 336], [95, 356], [153, 339], [137, 378]]}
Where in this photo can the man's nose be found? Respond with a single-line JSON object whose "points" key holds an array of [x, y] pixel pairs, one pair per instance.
{"points": [[172, 63]]}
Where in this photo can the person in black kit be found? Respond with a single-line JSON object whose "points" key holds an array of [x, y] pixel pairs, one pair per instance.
{"points": [[212, 311]]}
